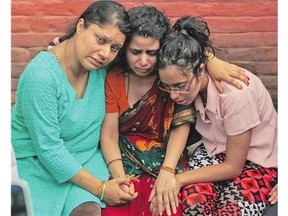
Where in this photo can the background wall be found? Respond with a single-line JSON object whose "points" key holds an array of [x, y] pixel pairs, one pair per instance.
{"points": [[246, 30]]}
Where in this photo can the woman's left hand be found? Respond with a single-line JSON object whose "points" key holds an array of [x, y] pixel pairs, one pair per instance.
{"points": [[166, 193]]}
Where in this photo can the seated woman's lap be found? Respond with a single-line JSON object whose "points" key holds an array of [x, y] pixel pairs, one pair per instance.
{"points": [[140, 205], [245, 195]]}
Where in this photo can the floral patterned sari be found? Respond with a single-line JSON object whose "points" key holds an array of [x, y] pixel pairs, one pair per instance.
{"points": [[143, 134], [145, 129]]}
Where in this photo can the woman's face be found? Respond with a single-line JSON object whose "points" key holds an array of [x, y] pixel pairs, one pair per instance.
{"points": [[97, 46], [183, 89], [141, 54]]}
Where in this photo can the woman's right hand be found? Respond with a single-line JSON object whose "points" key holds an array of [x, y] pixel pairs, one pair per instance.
{"points": [[273, 199], [114, 194]]}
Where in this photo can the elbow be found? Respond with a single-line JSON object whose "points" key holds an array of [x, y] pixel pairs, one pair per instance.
{"points": [[235, 174], [233, 171]]}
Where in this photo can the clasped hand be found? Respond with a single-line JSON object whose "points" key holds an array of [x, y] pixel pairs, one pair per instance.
{"points": [[119, 191]]}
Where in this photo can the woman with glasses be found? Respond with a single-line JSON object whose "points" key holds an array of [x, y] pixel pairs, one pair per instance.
{"points": [[143, 134], [235, 168]]}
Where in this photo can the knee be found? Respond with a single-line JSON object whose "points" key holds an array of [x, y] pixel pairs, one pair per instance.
{"points": [[87, 209]]}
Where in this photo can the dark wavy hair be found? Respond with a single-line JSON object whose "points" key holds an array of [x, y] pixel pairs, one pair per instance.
{"points": [[187, 45], [146, 21]]}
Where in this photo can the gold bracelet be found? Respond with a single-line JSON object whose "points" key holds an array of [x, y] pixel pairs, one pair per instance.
{"points": [[116, 159], [167, 168], [99, 188]]}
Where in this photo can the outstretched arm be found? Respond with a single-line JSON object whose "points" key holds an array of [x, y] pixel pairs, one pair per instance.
{"points": [[164, 190], [220, 70], [236, 155]]}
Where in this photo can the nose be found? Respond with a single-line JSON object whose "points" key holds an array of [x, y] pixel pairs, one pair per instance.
{"points": [[143, 59], [173, 94], [104, 52]]}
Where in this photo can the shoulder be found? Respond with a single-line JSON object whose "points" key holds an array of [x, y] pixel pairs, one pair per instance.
{"points": [[116, 72], [40, 66]]}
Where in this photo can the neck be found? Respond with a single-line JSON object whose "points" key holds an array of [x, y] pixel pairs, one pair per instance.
{"points": [[73, 67]]}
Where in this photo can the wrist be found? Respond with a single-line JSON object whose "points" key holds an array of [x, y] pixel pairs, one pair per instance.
{"points": [[99, 189], [103, 190], [114, 160], [179, 181], [168, 169]]}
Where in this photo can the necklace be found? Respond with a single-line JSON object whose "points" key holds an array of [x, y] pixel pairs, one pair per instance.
{"points": [[128, 85], [54, 53], [65, 60], [66, 68]]}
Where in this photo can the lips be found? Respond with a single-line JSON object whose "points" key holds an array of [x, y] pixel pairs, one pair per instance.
{"points": [[142, 70], [97, 63]]}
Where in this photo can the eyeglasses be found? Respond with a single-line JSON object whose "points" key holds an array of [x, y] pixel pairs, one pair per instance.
{"points": [[182, 88]]}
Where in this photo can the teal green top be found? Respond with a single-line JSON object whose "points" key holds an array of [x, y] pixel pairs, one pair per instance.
{"points": [[54, 134]]}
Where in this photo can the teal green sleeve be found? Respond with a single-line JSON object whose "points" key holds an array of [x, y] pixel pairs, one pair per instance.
{"points": [[38, 93]]}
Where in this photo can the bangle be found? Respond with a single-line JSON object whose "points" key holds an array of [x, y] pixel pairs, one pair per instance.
{"points": [[103, 190], [167, 168], [116, 159], [99, 188]]}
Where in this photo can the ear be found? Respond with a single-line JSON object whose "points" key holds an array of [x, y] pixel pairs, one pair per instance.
{"points": [[80, 25], [202, 70]]}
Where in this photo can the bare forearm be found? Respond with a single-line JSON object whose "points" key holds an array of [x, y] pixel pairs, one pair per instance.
{"points": [[112, 155], [213, 173], [87, 181], [236, 155], [176, 145]]}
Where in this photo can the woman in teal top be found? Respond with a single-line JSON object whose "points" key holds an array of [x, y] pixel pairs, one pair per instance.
{"points": [[58, 113]]}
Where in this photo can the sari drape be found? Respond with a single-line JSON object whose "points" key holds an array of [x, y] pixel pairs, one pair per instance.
{"points": [[145, 128], [143, 134]]}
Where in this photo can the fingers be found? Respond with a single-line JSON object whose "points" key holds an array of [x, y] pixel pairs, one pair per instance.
{"points": [[125, 188], [167, 203], [273, 195], [239, 75], [160, 203], [274, 189], [152, 194], [131, 188], [273, 199], [235, 83], [218, 86], [153, 207]]}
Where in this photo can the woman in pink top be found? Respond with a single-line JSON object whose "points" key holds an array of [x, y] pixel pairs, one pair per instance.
{"points": [[235, 168]]}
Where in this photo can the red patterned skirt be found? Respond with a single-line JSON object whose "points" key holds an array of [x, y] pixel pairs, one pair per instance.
{"points": [[140, 205], [246, 195]]}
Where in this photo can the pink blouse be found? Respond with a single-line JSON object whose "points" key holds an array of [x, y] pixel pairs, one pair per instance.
{"points": [[236, 111]]}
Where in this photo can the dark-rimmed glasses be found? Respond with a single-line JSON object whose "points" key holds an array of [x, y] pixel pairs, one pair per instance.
{"points": [[181, 88]]}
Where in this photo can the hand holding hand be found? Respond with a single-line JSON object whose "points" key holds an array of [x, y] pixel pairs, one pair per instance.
{"points": [[114, 193]]}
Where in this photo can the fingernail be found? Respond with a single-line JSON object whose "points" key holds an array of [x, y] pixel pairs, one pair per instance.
{"points": [[248, 78]]}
